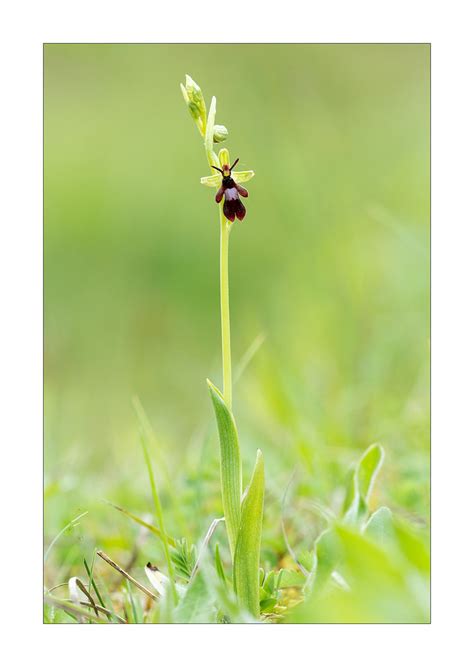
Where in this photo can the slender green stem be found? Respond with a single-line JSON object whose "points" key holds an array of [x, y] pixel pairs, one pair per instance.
{"points": [[225, 310]]}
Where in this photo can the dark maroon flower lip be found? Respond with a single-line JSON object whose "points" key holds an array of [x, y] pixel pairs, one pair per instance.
{"points": [[231, 191]]}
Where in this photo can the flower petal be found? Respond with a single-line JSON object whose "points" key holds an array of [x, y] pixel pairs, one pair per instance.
{"points": [[242, 191], [220, 194], [242, 176], [156, 578], [233, 207]]}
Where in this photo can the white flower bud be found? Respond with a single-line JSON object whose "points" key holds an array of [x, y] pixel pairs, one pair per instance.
{"points": [[220, 133]]}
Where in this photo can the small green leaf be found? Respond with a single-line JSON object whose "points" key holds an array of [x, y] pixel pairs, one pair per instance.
{"points": [[380, 526], [291, 579], [306, 559], [368, 468], [328, 556], [414, 548], [231, 466], [184, 558], [247, 550], [269, 582], [361, 484], [267, 605]]}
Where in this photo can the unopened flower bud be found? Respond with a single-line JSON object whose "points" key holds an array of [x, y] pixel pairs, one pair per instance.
{"points": [[197, 104], [195, 100], [220, 133]]}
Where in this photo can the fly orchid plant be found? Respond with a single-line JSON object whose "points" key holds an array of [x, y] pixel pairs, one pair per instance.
{"points": [[243, 513]]}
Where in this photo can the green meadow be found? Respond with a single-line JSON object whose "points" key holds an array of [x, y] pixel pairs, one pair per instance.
{"points": [[329, 298]]}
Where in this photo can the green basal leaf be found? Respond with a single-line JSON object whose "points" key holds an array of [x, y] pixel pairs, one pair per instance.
{"points": [[247, 550], [224, 598], [196, 605], [231, 466]]}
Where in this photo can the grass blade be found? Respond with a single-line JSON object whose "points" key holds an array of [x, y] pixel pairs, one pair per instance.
{"points": [[72, 609], [247, 551], [248, 356], [92, 580], [156, 446], [156, 498], [204, 544], [72, 524], [142, 522], [132, 602]]}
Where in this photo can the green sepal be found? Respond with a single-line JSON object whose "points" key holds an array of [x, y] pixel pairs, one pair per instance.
{"points": [[243, 176]]}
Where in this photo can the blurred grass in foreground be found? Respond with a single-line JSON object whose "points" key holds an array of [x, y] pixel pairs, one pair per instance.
{"points": [[331, 264]]}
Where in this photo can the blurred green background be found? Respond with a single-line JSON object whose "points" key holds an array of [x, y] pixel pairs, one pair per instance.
{"points": [[331, 265]]}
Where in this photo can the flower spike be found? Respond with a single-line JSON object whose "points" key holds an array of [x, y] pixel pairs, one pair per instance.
{"points": [[227, 182]]}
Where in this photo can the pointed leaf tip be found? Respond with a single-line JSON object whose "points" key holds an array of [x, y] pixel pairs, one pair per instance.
{"points": [[362, 482]]}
